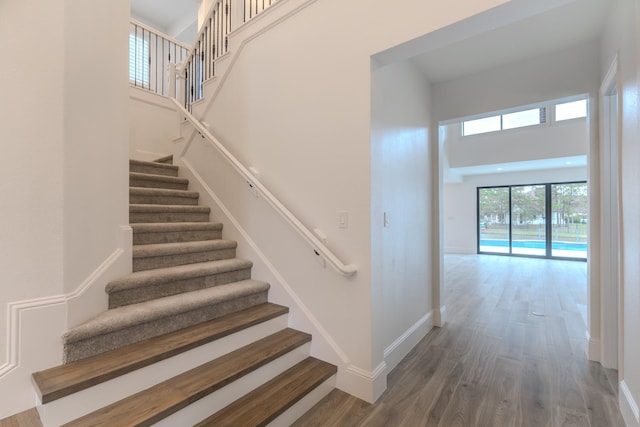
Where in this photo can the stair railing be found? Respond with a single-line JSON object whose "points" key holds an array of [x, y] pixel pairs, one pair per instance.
{"points": [[318, 247], [150, 53], [212, 42]]}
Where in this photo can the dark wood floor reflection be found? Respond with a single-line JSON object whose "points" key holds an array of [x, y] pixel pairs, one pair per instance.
{"points": [[511, 354]]}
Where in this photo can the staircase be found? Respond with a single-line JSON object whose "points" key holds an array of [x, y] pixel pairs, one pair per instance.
{"points": [[189, 338]]}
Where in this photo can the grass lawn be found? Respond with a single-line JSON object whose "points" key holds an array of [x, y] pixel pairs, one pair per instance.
{"points": [[568, 233]]}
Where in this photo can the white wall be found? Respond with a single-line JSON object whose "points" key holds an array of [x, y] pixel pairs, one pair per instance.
{"points": [[64, 126], [153, 125], [622, 36], [547, 141], [299, 110], [401, 249], [460, 202], [560, 74]]}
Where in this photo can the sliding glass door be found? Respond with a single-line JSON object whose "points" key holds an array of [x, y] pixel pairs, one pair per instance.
{"points": [[569, 215], [493, 219], [528, 232], [544, 220]]}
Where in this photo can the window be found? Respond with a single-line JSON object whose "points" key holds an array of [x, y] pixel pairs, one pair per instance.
{"points": [[517, 119], [571, 110], [474, 127], [524, 118], [138, 60]]}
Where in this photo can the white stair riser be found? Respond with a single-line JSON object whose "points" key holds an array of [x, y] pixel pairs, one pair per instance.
{"points": [[78, 404], [214, 402], [303, 406]]}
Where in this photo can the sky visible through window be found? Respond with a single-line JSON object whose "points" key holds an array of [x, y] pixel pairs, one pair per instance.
{"points": [[138, 60], [521, 119], [571, 110], [517, 119], [529, 117]]}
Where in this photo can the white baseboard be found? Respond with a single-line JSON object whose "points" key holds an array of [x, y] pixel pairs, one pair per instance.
{"points": [[403, 345], [440, 316], [628, 406], [594, 348], [365, 385]]}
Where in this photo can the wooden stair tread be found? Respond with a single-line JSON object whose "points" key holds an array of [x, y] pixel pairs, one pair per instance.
{"points": [[157, 402], [267, 402], [63, 380]]}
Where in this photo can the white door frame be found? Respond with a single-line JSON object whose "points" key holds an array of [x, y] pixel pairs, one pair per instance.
{"points": [[610, 283]]}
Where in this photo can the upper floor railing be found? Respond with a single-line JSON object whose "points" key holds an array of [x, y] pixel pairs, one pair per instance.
{"points": [[212, 42], [150, 53]]}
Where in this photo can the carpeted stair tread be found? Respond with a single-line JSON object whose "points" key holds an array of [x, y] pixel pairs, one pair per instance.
{"points": [[157, 227], [156, 177], [141, 251], [162, 196], [170, 274], [165, 159], [147, 257], [145, 285], [64, 380], [172, 232], [134, 208], [148, 180], [155, 403], [168, 213], [135, 314], [153, 167], [267, 402]]}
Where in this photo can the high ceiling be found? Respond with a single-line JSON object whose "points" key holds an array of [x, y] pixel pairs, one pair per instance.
{"points": [[562, 27]]}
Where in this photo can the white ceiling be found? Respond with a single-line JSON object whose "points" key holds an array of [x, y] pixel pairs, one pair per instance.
{"points": [[176, 18], [562, 27]]}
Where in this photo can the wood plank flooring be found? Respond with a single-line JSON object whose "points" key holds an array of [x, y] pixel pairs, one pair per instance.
{"points": [[29, 418], [511, 354]]}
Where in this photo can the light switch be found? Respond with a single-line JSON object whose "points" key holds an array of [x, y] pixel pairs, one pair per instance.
{"points": [[343, 219], [386, 220]]}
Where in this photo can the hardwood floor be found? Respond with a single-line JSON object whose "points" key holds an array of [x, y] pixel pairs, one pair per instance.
{"points": [[511, 354]]}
